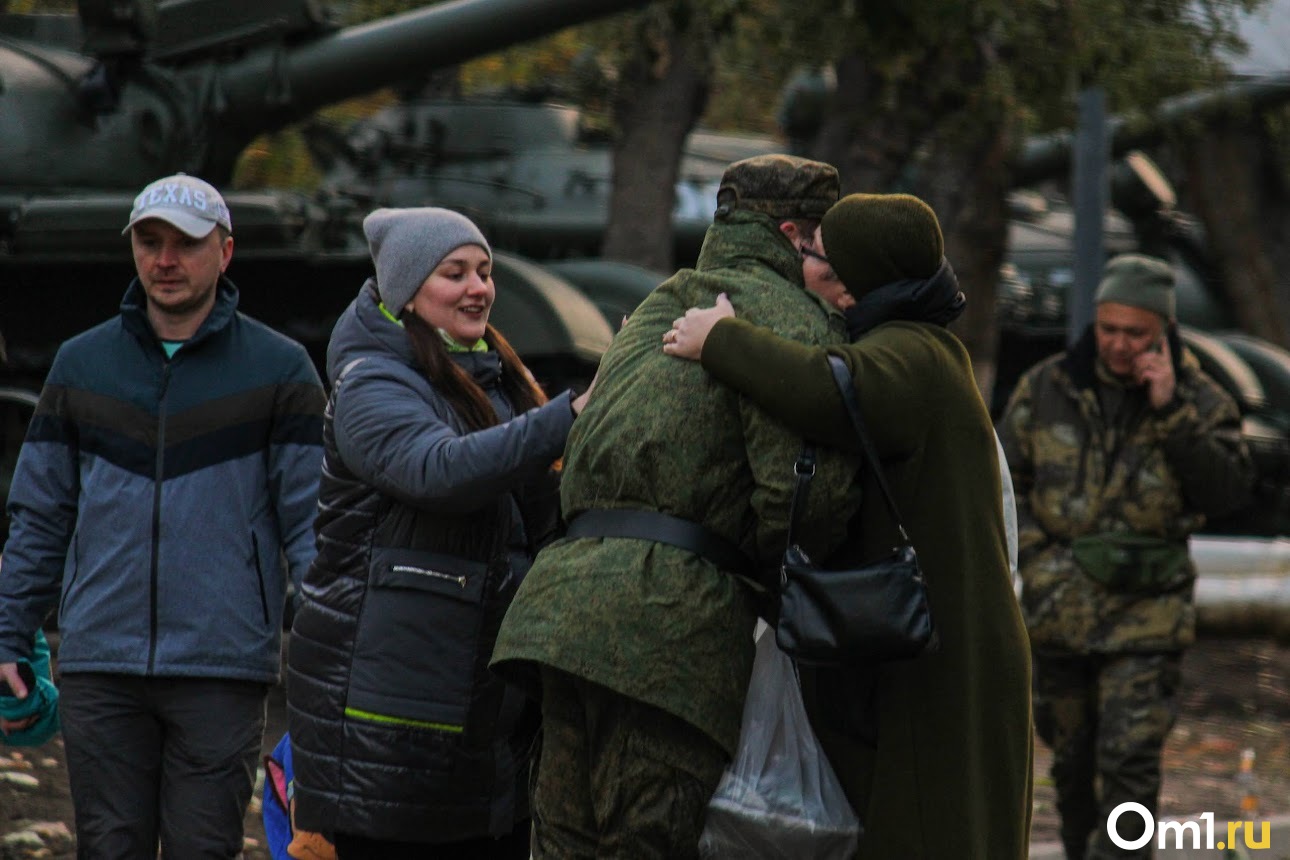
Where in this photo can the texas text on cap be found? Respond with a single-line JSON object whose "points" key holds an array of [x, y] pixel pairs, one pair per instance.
{"points": [[185, 202]]}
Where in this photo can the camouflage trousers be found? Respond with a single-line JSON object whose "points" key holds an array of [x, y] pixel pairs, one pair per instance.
{"points": [[615, 777], [1106, 718]]}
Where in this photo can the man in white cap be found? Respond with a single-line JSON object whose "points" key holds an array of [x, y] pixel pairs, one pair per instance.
{"points": [[1120, 449], [171, 464]]}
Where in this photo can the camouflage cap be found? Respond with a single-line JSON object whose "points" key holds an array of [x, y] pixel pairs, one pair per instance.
{"points": [[781, 186]]}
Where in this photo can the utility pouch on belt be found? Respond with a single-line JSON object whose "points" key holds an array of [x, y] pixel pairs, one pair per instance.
{"points": [[1127, 562]]}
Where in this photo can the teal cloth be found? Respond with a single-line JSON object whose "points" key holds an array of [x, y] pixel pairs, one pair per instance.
{"points": [[41, 702]]}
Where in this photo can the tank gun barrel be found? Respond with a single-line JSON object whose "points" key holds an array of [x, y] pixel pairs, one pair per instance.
{"points": [[275, 86], [362, 58], [1049, 155], [72, 121]]}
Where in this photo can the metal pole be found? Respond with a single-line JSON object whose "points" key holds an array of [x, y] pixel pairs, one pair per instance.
{"points": [[1090, 188]]}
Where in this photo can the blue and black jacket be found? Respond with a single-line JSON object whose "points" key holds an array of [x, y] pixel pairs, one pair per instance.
{"points": [[155, 498]]}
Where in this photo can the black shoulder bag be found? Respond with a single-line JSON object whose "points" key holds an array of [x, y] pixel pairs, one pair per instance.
{"points": [[878, 611]]}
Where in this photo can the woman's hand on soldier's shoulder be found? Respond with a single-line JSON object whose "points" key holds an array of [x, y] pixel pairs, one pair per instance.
{"points": [[689, 333]]}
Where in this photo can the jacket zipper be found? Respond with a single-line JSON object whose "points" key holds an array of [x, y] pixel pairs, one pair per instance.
{"points": [[421, 571], [76, 570], [259, 577], [160, 470]]}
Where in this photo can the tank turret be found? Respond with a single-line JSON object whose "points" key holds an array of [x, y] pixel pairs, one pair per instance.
{"points": [[530, 172]]}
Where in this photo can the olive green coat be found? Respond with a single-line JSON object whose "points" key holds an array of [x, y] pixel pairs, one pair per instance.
{"points": [[1075, 472], [648, 620], [949, 774]]}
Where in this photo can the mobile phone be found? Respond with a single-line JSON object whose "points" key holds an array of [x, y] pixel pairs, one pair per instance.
{"points": [[28, 676]]}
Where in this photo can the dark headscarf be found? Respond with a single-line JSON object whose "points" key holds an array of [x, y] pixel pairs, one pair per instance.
{"points": [[937, 300]]}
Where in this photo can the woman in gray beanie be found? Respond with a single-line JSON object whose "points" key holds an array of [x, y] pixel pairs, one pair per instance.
{"points": [[438, 487]]}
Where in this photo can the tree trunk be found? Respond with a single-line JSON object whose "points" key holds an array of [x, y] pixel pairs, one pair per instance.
{"points": [[1228, 169], [934, 132], [967, 186], [870, 146], [1275, 223], [662, 94]]}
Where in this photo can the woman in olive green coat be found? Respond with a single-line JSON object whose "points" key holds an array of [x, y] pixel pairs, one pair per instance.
{"points": [[934, 753]]}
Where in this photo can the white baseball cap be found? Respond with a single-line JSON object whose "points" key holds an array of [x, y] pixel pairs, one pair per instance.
{"points": [[189, 204]]}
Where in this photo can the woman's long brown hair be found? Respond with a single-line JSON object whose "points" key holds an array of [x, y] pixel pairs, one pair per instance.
{"points": [[462, 393]]}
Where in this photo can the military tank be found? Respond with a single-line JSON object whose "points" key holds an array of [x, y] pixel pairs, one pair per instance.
{"points": [[185, 85]]}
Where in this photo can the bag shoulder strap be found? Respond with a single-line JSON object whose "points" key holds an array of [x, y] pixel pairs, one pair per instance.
{"points": [[842, 377], [804, 468]]}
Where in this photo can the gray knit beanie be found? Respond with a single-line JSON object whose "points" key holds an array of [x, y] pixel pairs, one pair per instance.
{"points": [[1138, 281], [408, 244]]}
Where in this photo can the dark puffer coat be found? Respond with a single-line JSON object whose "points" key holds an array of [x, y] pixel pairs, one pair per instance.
{"points": [[399, 731]]}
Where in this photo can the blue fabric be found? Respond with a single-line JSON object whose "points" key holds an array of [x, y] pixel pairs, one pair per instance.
{"points": [[41, 701], [276, 809], [154, 499]]}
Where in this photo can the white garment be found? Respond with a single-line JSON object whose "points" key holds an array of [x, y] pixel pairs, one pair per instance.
{"points": [[1009, 515]]}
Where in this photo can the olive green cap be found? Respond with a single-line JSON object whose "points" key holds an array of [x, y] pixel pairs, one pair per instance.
{"points": [[781, 186], [1140, 282], [877, 239]]}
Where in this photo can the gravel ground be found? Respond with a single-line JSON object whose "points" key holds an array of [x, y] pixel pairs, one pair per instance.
{"points": [[1236, 696]]}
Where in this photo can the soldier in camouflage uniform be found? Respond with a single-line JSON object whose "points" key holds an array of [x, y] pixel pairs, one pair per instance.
{"points": [[644, 648], [1119, 449]]}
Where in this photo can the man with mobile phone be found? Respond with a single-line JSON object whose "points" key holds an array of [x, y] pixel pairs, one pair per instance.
{"points": [[1120, 448]]}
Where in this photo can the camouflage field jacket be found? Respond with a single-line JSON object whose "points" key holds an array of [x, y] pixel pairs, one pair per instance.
{"points": [[1152, 473], [649, 620]]}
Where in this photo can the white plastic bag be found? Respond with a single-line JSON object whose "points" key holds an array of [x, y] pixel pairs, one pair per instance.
{"points": [[779, 798]]}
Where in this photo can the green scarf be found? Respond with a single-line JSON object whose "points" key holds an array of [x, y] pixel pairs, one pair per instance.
{"points": [[480, 345]]}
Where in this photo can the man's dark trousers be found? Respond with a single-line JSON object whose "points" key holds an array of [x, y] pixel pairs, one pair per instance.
{"points": [[161, 758]]}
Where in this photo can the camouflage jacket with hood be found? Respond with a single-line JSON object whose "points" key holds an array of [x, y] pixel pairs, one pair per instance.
{"points": [[1081, 470], [648, 620]]}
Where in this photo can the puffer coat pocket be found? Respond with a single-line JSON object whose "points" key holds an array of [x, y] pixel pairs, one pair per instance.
{"points": [[414, 652]]}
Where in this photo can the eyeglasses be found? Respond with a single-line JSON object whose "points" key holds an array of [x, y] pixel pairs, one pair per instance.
{"points": [[814, 254]]}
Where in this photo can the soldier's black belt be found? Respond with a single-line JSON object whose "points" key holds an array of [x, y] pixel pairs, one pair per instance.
{"points": [[674, 531]]}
